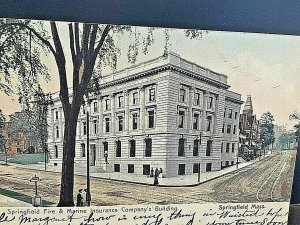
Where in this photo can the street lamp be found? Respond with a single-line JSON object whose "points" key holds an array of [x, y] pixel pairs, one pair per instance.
{"points": [[95, 89]]}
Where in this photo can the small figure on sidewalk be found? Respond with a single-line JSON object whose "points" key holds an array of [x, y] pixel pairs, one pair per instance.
{"points": [[79, 202], [156, 174], [160, 173], [151, 172]]}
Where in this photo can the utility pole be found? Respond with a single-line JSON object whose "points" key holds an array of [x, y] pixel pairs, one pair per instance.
{"points": [[88, 192]]}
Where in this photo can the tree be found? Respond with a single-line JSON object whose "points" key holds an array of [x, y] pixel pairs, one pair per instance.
{"points": [[286, 139], [296, 116], [267, 129], [92, 46], [2, 127]]}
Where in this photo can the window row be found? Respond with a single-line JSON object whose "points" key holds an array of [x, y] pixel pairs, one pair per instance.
{"points": [[118, 148], [197, 98], [227, 147], [147, 168], [229, 129], [196, 146], [196, 120], [230, 113]]}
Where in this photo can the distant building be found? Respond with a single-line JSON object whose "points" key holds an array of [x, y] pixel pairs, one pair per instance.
{"points": [[249, 130], [14, 144], [167, 113]]}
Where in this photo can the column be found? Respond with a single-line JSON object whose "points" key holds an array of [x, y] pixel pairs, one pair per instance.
{"points": [[203, 124], [126, 114], [142, 109], [112, 109], [190, 110]]}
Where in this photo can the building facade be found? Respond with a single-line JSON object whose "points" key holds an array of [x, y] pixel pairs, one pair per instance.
{"points": [[250, 128], [167, 113]]}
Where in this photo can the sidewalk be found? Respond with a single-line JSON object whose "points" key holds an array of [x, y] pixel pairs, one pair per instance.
{"points": [[180, 181], [11, 202]]}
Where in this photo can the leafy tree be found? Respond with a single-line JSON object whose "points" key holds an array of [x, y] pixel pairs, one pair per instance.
{"points": [[296, 116], [267, 129], [92, 46], [2, 124], [286, 139]]}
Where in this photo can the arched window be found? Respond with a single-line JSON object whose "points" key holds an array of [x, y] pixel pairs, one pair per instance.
{"points": [[132, 146], [148, 147], [118, 148], [56, 151]]}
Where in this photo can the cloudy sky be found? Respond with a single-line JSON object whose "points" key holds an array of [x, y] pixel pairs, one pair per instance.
{"points": [[265, 66]]}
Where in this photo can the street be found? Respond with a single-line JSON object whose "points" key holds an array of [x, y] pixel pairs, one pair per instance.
{"points": [[267, 180]]}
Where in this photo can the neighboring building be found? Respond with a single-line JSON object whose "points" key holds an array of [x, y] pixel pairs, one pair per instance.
{"points": [[14, 144], [249, 127], [167, 113], [278, 131]]}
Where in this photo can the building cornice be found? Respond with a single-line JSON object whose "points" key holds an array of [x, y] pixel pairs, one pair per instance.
{"points": [[163, 68], [234, 100]]}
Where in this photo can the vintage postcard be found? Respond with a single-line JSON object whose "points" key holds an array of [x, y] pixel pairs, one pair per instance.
{"points": [[111, 124]]}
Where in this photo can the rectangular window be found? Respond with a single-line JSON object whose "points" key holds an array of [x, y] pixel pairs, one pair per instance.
{"points": [[197, 98], [230, 113], [151, 94], [232, 147], [105, 147], [107, 104], [227, 163], [120, 122], [232, 163], [208, 147], [148, 149], [210, 102], [234, 129], [132, 148], [135, 99], [130, 168], [228, 128], [82, 150], [146, 169], [181, 147], [56, 115], [196, 167], [181, 119], [196, 121], [208, 167], [223, 128], [151, 119], [134, 121], [227, 147], [196, 147], [95, 123], [222, 145], [120, 101], [116, 167], [107, 124], [235, 115], [57, 132], [96, 109], [118, 148], [182, 95], [224, 112], [181, 169], [208, 123]]}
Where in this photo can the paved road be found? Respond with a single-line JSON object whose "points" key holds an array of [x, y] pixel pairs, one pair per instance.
{"points": [[267, 180]]}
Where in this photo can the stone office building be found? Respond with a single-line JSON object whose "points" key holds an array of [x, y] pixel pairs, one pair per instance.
{"points": [[167, 113]]}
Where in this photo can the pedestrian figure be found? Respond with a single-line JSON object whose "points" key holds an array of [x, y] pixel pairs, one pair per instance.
{"points": [[156, 174], [151, 172], [160, 173], [79, 199]]}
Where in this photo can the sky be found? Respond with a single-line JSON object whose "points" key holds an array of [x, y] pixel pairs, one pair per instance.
{"points": [[264, 66]]}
